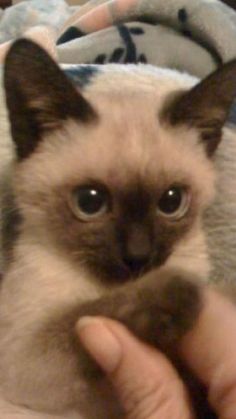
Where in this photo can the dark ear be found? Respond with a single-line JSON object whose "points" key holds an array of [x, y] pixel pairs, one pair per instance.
{"points": [[39, 96], [207, 106]]}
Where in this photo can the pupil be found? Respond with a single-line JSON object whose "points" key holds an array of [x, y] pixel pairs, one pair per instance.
{"points": [[90, 201], [170, 201]]}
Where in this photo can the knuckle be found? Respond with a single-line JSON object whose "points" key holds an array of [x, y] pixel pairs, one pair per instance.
{"points": [[145, 401]]}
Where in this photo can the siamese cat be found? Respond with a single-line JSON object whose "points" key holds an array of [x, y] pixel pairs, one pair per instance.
{"points": [[103, 214]]}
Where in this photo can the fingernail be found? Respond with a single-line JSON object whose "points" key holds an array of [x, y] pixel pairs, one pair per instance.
{"points": [[100, 342]]}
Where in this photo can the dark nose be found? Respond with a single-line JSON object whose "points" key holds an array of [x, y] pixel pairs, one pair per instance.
{"points": [[137, 249], [136, 265]]}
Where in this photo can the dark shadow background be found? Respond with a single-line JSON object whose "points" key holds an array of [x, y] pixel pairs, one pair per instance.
{"points": [[231, 3]]}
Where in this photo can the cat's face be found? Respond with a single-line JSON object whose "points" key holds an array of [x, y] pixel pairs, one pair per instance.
{"points": [[117, 195], [118, 186]]}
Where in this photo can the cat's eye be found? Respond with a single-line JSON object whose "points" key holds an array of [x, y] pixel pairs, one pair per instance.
{"points": [[174, 202], [89, 202]]}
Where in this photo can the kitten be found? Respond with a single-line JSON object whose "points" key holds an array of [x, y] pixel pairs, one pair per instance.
{"points": [[103, 214]]}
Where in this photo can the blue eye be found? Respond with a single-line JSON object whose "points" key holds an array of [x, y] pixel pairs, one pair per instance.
{"points": [[90, 202], [174, 202]]}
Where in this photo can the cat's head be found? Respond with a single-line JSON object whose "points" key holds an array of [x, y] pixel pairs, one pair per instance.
{"points": [[115, 177]]}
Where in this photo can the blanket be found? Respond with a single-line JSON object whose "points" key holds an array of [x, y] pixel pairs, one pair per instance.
{"points": [[195, 36]]}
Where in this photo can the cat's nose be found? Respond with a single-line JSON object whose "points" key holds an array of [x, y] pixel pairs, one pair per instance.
{"points": [[137, 249], [136, 265]]}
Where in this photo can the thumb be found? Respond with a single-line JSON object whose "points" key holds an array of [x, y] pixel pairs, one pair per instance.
{"points": [[145, 382]]}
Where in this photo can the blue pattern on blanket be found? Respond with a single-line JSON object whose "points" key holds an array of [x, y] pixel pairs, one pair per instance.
{"points": [[81, 75], [69, 35], [128, 54], [183, 15]]}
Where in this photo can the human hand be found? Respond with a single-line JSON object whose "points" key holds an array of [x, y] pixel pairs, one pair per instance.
{"points": [[145, 381]]}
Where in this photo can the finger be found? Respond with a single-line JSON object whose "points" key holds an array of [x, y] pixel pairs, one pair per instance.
{"points": [[82, 11], [145, 381], [210, 351], [105, 14]]}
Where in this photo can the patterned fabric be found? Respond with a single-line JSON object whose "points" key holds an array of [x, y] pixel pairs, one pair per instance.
{"points": [[171, 33], [17, 19], [194, 36]]}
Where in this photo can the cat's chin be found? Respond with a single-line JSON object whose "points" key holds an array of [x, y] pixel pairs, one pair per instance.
{"points": [[116, 272], [120, 274]]}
